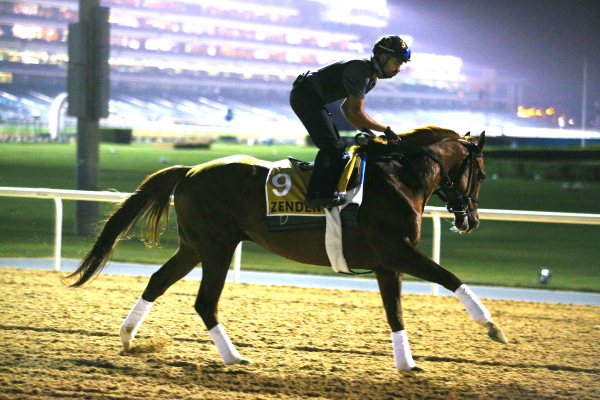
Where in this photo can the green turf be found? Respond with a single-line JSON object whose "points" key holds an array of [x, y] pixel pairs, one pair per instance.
{"points": [[498, 253]]}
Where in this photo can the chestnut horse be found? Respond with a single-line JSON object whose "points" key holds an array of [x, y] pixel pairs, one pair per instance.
{"points": [[219, 205]]}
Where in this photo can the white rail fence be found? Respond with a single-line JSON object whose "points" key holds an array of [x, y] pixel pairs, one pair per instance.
{"points": [[435, 213]]}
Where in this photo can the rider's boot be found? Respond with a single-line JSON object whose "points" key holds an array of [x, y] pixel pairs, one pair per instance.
{"points": [[323, 182]]}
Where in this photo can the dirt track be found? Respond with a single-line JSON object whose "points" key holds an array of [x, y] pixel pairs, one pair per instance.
{"points": [[305, 343]]}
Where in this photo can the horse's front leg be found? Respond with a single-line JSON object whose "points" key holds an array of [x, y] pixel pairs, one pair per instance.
{"points": [[390, 287], [479, 313], [409, 260]]}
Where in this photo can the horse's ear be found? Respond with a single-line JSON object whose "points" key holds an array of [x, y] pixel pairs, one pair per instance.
{"points": [[481, 141]]}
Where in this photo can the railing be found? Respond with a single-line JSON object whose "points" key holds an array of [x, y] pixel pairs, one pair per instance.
{"points": [[436, 213]]}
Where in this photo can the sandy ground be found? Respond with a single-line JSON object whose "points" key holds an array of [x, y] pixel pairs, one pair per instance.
{"points": [[304, 343]]}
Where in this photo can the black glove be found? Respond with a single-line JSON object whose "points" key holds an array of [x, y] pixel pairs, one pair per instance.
{"points": [[390, 135]]}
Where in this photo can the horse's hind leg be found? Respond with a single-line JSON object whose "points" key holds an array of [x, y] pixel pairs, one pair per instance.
{"points": [[216, 259], [178, 266]]}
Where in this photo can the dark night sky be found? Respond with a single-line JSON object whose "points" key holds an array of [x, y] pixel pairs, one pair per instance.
{"points": [[541, 41]]}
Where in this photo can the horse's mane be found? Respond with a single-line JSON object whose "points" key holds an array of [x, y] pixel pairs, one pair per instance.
{"points": [[421, 137]]}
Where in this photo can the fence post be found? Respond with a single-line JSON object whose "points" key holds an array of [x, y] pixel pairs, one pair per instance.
{"points": [[58, 232], [437, 240]]}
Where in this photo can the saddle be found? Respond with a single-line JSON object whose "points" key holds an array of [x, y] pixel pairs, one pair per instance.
{"points": [[301, 165], [286, 188]]}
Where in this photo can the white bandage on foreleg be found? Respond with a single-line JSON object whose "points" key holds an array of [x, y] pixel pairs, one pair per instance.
{"points": [[133, 321], [226, 349], [402, 355], [473, 305]]}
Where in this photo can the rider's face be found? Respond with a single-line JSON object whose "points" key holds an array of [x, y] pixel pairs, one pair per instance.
{"points": [[392, 67]]}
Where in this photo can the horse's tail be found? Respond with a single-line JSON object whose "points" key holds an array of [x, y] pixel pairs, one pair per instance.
{"points": [[152, 200]]}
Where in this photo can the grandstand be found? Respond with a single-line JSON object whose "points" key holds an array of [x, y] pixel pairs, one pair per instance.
{"points": [[227, 65]]}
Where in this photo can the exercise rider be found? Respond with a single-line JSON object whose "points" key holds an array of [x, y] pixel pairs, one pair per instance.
{"points": [[350, 80]]}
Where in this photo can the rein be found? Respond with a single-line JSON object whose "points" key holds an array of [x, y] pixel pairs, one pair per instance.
{"points": [[460, 204], [457, 202]]}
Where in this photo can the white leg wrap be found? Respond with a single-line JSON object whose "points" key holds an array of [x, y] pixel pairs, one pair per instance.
{"points": [[402, 355], [226, 349], [473, 305], [133, 321]]}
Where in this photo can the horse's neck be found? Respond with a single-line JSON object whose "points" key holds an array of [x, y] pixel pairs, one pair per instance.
{"points": [[431, 175]]}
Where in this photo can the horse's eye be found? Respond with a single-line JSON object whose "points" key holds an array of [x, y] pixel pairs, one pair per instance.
{"points": [[481, 176]]}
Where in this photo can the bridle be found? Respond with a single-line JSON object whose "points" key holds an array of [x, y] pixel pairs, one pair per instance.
{"points": [[457, 202]]}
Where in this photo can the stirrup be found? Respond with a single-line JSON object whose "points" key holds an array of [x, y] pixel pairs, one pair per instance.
{"points": [[336, 203], [328, 202]]}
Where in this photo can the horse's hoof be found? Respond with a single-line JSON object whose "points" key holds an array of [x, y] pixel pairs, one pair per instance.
{"points": [[242, 361], [496, 333], [409, 370], [406, 367], [126, 337], [127, 344]]}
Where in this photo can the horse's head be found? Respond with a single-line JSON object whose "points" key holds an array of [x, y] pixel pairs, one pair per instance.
{"points": [[460, 188], [460, 162]]}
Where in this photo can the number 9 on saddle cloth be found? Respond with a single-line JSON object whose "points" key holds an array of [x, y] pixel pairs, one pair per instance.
{"points": [[286, 185]]}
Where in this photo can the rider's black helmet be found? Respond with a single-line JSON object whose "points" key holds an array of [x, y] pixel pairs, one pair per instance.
{"points": [[394, 46]]}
